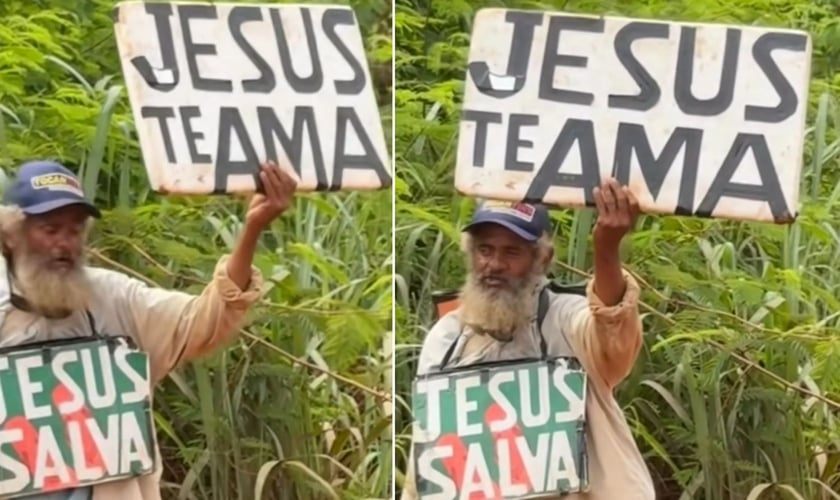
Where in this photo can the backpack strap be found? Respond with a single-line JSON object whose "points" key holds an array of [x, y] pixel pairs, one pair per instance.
{"points": [[542, 310], [449, 352]]}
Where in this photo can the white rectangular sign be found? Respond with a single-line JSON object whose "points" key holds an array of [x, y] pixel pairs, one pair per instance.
{"points": [[217, 88], [698, 119]]}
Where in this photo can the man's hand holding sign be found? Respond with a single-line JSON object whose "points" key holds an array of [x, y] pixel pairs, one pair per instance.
{"points": [[279, 187], [617, 213], [514, 395]]}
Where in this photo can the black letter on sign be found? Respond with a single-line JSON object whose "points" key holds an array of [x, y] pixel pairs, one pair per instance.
{"points": [[649, 91], [632, 137], [188, 113], [574, 130], [552, 59], [514, 142], [239, 16], [766, 44], [231, 121], [331, 19], [313, 82], [162, 114], [520, 53], [161, 13], [193, 50], [481, 119], [685, 75], [770, 190], [270, 127], [369, 160]]}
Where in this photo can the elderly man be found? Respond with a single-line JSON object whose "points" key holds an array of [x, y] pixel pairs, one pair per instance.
{"points": [[509, 252], [48, 293]]}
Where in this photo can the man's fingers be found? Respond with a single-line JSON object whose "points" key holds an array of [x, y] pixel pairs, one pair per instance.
{"points": [[270, 182], [288, 179], [286, 189], [622, 204], [281, 179], [614, 188], [598, 195], [269, 187], [608, 198]]}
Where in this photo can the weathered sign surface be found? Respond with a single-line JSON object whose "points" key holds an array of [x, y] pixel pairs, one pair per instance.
{"points": [[698, 119], [217, 88]]}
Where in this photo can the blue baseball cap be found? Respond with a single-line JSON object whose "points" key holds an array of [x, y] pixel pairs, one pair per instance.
{"points": [[43, 186], [526, 220]]}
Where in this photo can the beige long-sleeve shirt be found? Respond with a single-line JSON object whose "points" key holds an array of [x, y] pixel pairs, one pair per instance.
{"points": [[606, 340], [172, 327]]}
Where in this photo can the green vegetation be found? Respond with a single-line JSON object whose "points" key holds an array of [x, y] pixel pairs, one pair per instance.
{"points": [[735, 393], [298, 408]]}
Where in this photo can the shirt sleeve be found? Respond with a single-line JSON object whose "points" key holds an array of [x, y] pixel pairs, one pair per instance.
{"points": [[607, 339], [174, 327]]}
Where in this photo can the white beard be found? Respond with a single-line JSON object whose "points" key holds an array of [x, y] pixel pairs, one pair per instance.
{"points": [[48, 292], [499, 312]]}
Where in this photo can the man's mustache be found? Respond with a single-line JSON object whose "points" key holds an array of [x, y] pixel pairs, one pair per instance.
{"points": [[43, 261], [495, 279]]}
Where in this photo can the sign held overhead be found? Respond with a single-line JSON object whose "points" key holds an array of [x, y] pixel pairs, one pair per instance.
{"points": [[698, 119], [215, 89]]}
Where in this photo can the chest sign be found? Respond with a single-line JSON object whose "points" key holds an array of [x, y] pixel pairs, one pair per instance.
{"points": [[73, 413], [699, 120], [504, 431], [217, 88]]}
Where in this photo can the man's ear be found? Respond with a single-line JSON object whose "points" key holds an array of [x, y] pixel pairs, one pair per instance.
{"points": [[548, 259], [11, 242]]}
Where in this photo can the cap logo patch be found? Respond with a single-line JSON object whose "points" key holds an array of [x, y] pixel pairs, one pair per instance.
{"points": [[520, 210], [57, 182]]}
